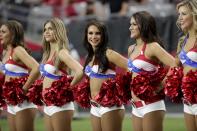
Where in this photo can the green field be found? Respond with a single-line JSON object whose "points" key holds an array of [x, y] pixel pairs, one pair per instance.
{"points": [[83, 124]]}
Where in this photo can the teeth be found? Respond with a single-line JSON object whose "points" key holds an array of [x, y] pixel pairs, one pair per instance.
{"points": [[94, 41]]}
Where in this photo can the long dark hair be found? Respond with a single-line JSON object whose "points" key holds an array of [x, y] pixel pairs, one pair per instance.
{"points": [[100, 52], [17, 33], [147, 27]]}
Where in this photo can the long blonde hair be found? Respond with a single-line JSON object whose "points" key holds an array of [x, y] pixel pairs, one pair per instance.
{"points": [[60, 37], [192, 5]]}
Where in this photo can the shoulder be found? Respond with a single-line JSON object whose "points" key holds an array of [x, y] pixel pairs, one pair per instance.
{"points": [[154, 48], [19, 52], [63, 52], [110, 52], [19, 49], [154, 45], [113, 55]]}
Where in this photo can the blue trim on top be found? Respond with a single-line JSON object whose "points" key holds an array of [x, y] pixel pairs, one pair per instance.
{"points": [[188, 61], [49, 75], [92, 74], [183, 55], [10, 73], [133, 68]]}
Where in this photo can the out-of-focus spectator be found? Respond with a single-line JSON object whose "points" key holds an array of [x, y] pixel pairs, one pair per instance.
{"points": [[73, 52], [76, 8], [68, 8], [174, 1], [90, 9], [24, 3], [141, 1], [117, 6], [20, 9], [53, 2], [57, 6]]}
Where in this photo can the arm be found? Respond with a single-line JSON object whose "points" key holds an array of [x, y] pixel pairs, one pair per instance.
{"points": [[1, 73], [21, 54], [116, 59], [162, 55], [130, 50], [72, 64], [177, 60]]}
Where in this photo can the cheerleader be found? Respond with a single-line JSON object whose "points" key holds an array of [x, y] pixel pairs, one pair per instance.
{"points": [[101, 89], [146, 60], [187, 61], [57, 84], [2, 101], [20, 70]]}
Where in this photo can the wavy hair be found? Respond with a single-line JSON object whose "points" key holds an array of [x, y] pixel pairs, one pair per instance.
{"points": [[147, 27], [192, 5], [61, 38], [17, 33], [100, 52]]}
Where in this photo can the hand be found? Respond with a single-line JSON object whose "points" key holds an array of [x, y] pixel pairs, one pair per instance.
{"points": [[70, 88], [134, 97], [25, 89]]}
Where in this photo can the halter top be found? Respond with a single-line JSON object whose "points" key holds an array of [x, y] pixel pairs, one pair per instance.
{"points": [[48, 69], [93, 72], [188, 58], [141, 63], [12, 68]]}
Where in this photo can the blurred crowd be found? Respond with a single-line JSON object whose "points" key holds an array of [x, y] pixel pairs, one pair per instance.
{"points": [[32, 13], [73, 8]]}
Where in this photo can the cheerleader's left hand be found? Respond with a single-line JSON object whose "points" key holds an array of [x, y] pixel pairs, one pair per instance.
{"points": [[25, 89], [70, 88]]}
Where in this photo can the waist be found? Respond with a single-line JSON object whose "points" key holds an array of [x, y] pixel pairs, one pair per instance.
{"points": [[94, 103], [55, 96], [51, 76], [189, 103], [141, 103], [47, 82], [17, 74]]}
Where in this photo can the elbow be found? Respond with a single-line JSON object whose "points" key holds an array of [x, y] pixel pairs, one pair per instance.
{"points": [[79, 73], [173, 63], [77, 77], [35, 70]]}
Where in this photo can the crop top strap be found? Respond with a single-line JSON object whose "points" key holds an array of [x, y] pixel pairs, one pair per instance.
{"points": [[53, 56], [185, 41], [195, 44], [11, 53], [143, 49], [132, 49], [52, 60]]}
